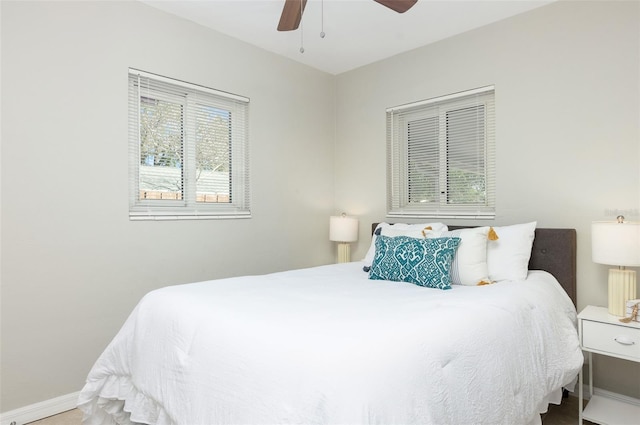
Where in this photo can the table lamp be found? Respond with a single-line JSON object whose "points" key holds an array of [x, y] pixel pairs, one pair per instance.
{"points": [[617, 243], [343, 229]]}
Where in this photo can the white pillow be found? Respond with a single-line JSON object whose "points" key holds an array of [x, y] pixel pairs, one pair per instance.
{"points": [[420, 232], [508, 257], [401, 229], [469, 265]]}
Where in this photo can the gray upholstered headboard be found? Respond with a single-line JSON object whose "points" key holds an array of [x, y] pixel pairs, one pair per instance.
{"points": [[554, 251]]}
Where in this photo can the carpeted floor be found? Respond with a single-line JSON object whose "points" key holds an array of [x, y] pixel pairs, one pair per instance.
{"points": [[565, 414]]}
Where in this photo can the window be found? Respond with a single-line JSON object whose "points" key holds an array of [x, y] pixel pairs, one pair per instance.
{"points": [[188, 150], [441, 157]]}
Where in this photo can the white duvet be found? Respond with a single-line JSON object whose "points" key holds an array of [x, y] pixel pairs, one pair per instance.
{"points": [[326, 345]]}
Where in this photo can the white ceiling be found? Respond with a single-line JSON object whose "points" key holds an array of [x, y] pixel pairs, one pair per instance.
{"points": [[358, 32]]}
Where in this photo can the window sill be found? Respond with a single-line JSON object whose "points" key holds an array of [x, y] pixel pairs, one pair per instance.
{"points": [[145, 217], [451, 216]]}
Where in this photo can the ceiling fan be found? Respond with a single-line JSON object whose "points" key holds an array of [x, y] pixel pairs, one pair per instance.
{"points": [[292, 11]]}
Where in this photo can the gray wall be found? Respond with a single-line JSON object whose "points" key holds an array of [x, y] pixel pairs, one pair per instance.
{"points": [[567, 80], [73, 265]]}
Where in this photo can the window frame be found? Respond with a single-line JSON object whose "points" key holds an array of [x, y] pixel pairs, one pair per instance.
{"points": [[398, 119], [191, 97]]}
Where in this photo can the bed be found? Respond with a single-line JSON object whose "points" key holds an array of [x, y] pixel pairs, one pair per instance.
{"points": [[328, 345]]}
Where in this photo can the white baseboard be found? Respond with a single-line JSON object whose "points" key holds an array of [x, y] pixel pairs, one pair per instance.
{"points": [[574, 393], [40, 410], [616, 396], [604, 393]]}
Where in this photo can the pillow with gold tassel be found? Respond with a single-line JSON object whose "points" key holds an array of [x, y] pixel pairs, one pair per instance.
{"points": [[470, 262]]}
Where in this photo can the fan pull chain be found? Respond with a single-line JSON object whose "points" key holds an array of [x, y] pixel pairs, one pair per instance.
{"points": [[322, 34], [301, 29]]}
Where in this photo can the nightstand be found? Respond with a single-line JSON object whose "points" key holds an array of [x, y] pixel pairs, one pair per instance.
{"points": [[604, 334]]}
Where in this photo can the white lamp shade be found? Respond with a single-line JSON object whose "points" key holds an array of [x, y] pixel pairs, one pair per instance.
{"points": [[615, 244], [343, 229]]}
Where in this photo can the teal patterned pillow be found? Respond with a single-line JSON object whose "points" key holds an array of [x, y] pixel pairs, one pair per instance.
{"points": [[425, 262]]}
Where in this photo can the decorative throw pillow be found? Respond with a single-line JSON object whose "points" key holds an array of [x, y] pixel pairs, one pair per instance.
{"points": [[508, 257], [469, 265], [424, 262], [400, 229]]}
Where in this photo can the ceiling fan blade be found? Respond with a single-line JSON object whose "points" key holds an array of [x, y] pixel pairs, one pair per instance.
{"points": [[291, 15], [399, 6]]}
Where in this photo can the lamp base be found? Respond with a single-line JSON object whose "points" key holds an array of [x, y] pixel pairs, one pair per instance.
{"points": [[622, 287], [344, 253]]}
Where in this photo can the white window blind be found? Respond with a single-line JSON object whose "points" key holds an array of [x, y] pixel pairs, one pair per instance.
{"points": [[441, 157], [188, 150]]}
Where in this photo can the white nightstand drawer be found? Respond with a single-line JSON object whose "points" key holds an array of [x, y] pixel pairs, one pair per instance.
{"points": [[618, 340]]}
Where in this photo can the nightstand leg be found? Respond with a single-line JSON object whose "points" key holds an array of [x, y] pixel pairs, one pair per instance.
{"points": [[590, 374], [580, 396]]}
